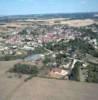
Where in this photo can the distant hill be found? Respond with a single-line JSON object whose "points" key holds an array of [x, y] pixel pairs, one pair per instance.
{"points": [[48, 16]]}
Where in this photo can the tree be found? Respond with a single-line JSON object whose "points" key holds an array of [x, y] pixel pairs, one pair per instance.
{"points": [[92, 73], [23, 32], [25, 69], [75, 71]]}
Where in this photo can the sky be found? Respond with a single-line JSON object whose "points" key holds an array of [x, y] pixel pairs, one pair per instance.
{"points": [[22, 7]]}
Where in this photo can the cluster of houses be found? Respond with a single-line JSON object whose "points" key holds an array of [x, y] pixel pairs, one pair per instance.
{"points": [[16, 43], [29, 41]]}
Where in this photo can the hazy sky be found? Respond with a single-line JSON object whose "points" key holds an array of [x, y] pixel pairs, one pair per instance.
{"points": [[14, 7]]}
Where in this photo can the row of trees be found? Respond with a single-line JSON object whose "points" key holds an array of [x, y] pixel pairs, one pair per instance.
{"points": [[75, 72], [12, 57], [92, 73]]}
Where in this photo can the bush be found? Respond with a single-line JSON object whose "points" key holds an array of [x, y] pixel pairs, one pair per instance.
{"points": [[25, 69]]}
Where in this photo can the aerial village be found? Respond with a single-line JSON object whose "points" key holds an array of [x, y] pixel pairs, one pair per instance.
{"points": [[55, 49]]}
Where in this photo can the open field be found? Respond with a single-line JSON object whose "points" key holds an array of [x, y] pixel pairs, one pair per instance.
{"points": [[14, 88], [78, 23], [63, 21], [67, 21]]}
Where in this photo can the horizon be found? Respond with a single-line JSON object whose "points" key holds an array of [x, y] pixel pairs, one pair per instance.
{"points": [[49, 14], [32, 7]]}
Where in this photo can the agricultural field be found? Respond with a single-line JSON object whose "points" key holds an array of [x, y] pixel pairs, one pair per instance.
{"points": [[14, 88]]}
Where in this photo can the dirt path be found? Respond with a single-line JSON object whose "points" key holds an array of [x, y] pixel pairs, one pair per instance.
{"points": [[9, 96]]}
